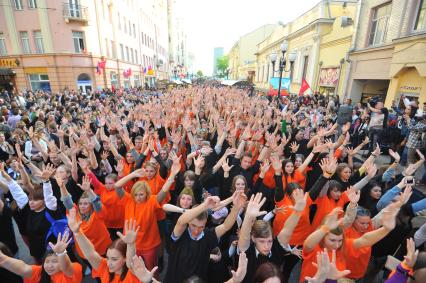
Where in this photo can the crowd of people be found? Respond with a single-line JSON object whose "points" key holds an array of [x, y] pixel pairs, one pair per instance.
{"points": [[210, 184]]}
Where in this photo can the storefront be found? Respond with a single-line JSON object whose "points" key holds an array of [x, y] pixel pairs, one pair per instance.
{"points": [[328, 80], [7, 74], [411, 85]]}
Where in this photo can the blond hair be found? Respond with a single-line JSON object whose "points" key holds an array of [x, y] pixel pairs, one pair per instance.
{"points": [[141, 185]]}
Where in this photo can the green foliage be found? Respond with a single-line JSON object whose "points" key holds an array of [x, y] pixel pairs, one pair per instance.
{"points": [[222, 64], [200, 73]]}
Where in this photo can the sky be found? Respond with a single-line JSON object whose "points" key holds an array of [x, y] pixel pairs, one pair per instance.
{"points": [[221, 23]]}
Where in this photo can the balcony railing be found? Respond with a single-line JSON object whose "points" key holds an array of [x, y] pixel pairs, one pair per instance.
{"points": [[75, 12]]}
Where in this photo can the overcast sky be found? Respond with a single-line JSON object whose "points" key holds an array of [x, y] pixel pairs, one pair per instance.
{"points": [[220, 23]]}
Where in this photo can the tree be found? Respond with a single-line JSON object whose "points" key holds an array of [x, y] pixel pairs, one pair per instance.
{"points": [[222, 64], [199, 73]]}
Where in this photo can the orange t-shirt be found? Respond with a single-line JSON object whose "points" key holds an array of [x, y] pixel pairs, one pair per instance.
{"points": [[308, 269], [325, 205], [145, 215], [127, 169], [357, 259], [114, 216], [95, 230], [103, 273], [59, 277], [156, 184], [269, 181], [303, 228]]}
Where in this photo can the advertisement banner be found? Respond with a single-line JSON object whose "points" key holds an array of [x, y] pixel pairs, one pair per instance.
{"points": [[329, 76]]}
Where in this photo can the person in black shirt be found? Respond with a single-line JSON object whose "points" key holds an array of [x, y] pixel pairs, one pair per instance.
{"points": [[256, 238], [191, 243]]}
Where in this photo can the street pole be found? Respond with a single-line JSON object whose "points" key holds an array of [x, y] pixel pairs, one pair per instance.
{"points": [[279, 83]]}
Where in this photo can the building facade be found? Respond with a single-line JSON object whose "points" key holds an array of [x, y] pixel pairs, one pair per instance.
{"points": [[320, 40], [242, 56], [389, 56], [82, 44]]}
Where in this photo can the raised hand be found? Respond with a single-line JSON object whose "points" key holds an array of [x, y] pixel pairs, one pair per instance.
{"points": [[276, 163], [353, 195], [255, 204], [300, 199], [104, 155], [119, 168], [371, 171], [174, 170], [73, 224], [61, 243], [265, 166], [419, 153], [328, 166], [294, 147], [139, 173], [211, 201], [225, 166], [199, 161], [239, 199], [389, 216], [140, 271], [47, 172], [334, 273], [377, 151], [238, 276], [411, 257], [130, 232], [85, 185], [323, 268], [332, 219], [395, 155]]}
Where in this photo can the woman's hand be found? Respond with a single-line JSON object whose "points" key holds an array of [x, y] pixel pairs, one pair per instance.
{"points": [[85, 185], [47, 172], [140, 271], [255, 204], [61, 243], [411, 257], [225, 166], [73, 224], [130, 231]]}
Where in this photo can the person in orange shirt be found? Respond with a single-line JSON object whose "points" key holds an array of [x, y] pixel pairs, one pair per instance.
{"points": [[142, 206], [331, 237], [91, 213], [56, 267], [114, 216], [117, 264]]}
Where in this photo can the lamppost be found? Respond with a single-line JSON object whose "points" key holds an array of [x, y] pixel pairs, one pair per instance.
{"points": [[227, 73], [175, 71], [282, 62]]}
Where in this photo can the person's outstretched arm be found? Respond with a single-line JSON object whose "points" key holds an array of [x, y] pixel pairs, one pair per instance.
{"points": [[16, 266]]}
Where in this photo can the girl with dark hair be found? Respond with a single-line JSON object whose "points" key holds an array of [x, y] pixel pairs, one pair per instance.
{"points": [[370, 196], [267, 271], [56, 266], [115, 267]]}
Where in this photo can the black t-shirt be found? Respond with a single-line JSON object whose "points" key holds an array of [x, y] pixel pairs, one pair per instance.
{"points": [[189, 257], [277, 257], [7, 235]]}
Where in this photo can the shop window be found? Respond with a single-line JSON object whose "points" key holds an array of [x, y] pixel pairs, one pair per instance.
{"points": [[421, 17], [3, 50], [18, 5], [305, 66], [38, 38], [39, 82], [379, 24], [127, 82], [136, 81], [114, 80], [25, 42], [32, 4], [78, 39]]}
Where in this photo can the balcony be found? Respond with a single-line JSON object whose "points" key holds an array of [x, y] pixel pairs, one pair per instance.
{"points": [[75, 13]]}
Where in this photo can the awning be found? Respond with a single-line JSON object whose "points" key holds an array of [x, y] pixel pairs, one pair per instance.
{"points": [[187, 81], [229, 82], [178, 82], [7, 72]]}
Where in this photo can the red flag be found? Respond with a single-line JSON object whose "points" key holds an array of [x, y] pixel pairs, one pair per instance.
{"points": [[303, 87]]}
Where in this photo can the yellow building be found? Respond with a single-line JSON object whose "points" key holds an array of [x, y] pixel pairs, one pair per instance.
{"points": [[321, 39], [389, 56], [242, 58]]}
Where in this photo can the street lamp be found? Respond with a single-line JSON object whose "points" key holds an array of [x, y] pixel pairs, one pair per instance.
{"points": [[282, 63]]}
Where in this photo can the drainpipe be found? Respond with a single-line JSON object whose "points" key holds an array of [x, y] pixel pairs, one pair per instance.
{"points": [[354, 38]]}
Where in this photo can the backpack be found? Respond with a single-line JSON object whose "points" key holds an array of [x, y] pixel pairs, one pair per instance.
{"points": [[58, 226]]}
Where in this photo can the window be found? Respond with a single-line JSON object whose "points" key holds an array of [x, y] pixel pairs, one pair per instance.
{"points": [[78, 38], [421, 17], [108, 54], [18, 5], [305, 66], [122, 51], [379, 24], [3, 50], [25, 42], [146, 44], [127, 54], [38, 42], [114, 81], [39, 81], [134, 31], [130, 28], [32, 4], [113, 50], [125, 24], [119, 21], [136, 57], [136, 81], [132, 55]]}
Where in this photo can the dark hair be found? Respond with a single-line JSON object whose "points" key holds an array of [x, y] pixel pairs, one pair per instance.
{"points": [[120, 246], [291, 187], [265, 271], [334, 184], [45, 278]]}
